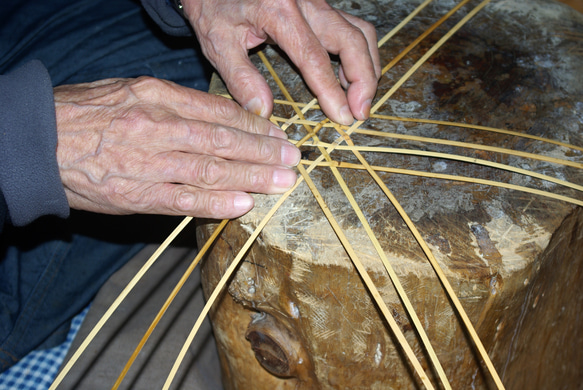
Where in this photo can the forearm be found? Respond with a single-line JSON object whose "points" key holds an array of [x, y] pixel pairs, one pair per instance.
{"points": [[29, 176]]}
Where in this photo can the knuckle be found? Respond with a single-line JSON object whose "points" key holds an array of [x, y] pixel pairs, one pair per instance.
{"points": [[259, 180], [267, 151], [222, 138], [354, 36], [224, 108], [208, 172], [146, 87], [369, 30], [217, 205]]}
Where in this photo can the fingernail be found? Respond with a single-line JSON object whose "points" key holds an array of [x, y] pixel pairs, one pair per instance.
{"points": [[290, 155], [345, 116], [243, 202], [255, 106], [186, 202], [284, 179], [365, 109], [277, 132]]}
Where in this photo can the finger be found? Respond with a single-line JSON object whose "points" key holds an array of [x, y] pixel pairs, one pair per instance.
{"points": [[370, 34], [305, 50], [178, 199], [213, 173], [192, 104], [212, 204], [223, 111], [358, 65], [228, 143]]}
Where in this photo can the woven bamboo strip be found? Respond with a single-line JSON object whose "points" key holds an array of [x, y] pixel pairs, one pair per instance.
{"points": [[456, 157], [442, 176]]}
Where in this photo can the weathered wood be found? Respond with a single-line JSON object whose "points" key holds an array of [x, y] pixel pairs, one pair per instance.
{"points": [[514, 259]]}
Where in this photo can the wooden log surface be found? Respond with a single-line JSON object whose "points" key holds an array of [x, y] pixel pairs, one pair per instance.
{"points": [[514, 259]]}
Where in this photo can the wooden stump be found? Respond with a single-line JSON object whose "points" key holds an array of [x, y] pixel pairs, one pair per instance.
{"points": [[297, 315]]}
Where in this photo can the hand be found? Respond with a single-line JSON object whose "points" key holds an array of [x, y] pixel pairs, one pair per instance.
{"points": [[306, 30], [150, 146]]}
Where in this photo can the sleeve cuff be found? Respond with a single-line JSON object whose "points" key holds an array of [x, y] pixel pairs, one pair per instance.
{"points": [[29, 174]]}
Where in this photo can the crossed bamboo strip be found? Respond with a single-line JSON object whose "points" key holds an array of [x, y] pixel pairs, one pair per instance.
{"points": [[467, 323], [305, 172], [354, 258]]}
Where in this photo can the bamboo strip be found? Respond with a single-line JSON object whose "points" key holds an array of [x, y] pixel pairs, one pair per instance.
{"points": [[118, 301], [442, 176], [399, 26], [168, 302], [226, 277], [428, 54], [392, 274], [437, 268], [478, 127], [366, 278], [421, 37], [469, 145], [456, 157]]}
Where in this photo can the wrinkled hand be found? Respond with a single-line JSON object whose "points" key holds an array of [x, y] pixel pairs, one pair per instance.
{"points": [[150, 146], [307, 30]]}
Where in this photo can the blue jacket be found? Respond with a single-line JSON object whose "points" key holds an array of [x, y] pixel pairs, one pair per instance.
{"points": [[30, 184]]}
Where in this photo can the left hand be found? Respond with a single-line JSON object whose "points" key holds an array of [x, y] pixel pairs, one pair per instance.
{"points": [[307, 30]]}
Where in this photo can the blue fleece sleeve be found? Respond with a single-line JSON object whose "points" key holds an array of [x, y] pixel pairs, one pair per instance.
{"points": [[167, 17], [29, 174]]}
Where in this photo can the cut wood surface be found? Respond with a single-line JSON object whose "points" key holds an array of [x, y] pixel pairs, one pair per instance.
{"points": [[513, 258]]}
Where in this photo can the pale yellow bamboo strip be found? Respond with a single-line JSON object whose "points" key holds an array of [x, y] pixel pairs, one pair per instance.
{"points": [[292, 120], [426, 56], [367, 280], [438, 271], [437, 268], [405, 299], [392, 274], [399, 26], [428, 121], [455, 157], [169, 301], [478, 127], [442, 176], [421, 37], [469, 145], [224, 279], [372, 288], [117, 302]]}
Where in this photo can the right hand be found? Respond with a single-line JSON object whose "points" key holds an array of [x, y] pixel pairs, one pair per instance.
{"points": [[151, 146], [307, 30]]}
